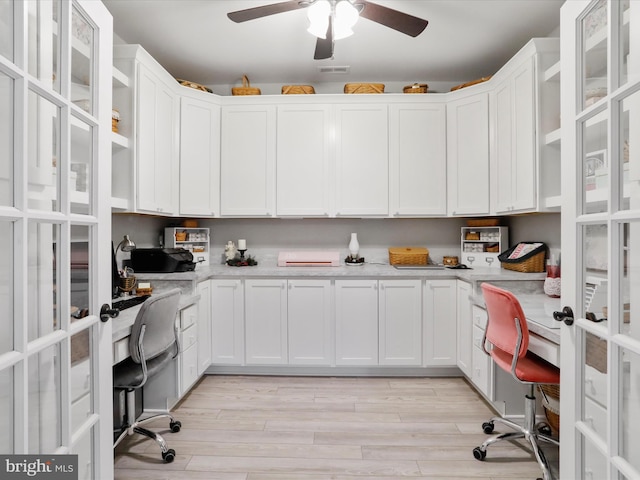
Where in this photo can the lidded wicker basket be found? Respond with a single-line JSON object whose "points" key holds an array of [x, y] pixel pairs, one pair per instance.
{"points": [[364, 88], [416, 88], [246, 88], [298, 89], [408, 255]]}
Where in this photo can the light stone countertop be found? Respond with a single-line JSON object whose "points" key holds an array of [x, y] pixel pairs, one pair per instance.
{"points": [[270, 268]]}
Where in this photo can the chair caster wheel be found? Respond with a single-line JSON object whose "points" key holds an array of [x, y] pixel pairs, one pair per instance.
{"points": [[545, 430], [175, 426], [479, 454], [169, 455], [487, 427]]}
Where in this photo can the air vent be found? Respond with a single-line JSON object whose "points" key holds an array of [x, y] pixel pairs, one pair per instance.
{"points": [[331, 69]]}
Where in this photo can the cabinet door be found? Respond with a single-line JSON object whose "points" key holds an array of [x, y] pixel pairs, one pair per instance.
{"points": [[248, 152], [468, 155], [266, 322], [309, 322], [362, 160], [418, 159], [227, 322], [199, 157], [439, 323], [303, 160], [514, 163], [204, 326], [464, 327], [157, 165], [400, 322], [356, 322]]}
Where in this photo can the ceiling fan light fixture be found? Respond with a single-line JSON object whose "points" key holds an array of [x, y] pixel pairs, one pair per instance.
{"points": [[318, 14], [346, 16]]}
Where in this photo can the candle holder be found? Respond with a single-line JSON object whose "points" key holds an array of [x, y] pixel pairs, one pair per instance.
{"points": [[242, 254]]}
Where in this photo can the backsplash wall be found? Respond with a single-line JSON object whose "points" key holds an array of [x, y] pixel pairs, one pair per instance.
{"points": [[440, 235]]}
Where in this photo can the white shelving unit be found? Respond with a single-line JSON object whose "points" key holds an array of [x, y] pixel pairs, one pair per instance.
{"points": [[196, 241], [480, 246]]}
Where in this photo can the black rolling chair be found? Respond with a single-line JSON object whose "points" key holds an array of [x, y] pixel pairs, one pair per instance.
{"points": [[153, 344]]}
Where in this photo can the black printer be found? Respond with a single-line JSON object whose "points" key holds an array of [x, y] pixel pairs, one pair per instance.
{"points": [[162, 260]]}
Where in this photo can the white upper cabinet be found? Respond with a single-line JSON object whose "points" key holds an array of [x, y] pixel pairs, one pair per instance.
{"points": [[144, 176], [513, 109], [199, 154], [522, 110], [157, 162], [302, 172], [468, 153], [362, 160], [418, 159], [248, 160]]}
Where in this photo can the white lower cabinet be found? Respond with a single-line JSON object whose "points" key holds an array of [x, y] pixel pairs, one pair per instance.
{"points": [[266, 322], [204, 326], [356, 322], [439, 323], [378, 323], [400, 322], [188, 358], [309, 322], [482, 365], [227, 322], [464, 327]]}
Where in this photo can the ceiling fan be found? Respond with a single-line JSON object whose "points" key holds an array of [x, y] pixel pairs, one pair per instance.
{"points": [[327, 15]]}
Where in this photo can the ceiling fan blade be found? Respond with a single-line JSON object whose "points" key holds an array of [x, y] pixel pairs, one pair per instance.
{"points": [[324, 46], [265, 10], [402, 22]]}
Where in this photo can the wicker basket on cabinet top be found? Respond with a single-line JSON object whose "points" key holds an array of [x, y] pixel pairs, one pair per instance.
{"points": [[408, 256]]}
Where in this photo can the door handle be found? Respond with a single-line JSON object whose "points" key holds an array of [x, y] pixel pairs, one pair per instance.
{"points": [[106, 312], [566, 316]]}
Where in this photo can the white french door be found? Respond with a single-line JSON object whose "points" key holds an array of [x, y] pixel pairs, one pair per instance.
{"points": [[55, 231], [600, 365]]}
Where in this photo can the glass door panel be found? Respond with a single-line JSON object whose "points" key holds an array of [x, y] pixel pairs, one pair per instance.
{"points": [[43, 274], [629, 170], [6, 28], [80, 167], [81, 378], [629, 416], [44, 41], [44, 400], [43, 153], [6, 137], [7, 410], [81, 61], [84, 448], [595, 185], [594, 48], [628, 307], [6, 285]]}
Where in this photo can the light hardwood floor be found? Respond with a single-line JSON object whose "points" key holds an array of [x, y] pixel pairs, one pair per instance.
{"points": [[317, 428]]}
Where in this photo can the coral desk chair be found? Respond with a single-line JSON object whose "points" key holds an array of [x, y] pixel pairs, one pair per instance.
{"points": [[508, 335]]}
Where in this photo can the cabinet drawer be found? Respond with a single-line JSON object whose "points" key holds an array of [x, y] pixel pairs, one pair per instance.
{"points": [[595, 415], [595, 385], [480, 317], [188, 316], [80, 411], [188, 337], [189, 368], [544, 349], [481, 364]]}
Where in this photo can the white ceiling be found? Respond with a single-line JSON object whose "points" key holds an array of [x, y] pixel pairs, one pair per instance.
{"points": [[465, 40]]}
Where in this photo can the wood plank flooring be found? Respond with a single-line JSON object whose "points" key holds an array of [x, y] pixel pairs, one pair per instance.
{"points": [[320, 428]]}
